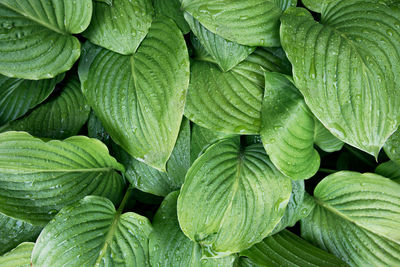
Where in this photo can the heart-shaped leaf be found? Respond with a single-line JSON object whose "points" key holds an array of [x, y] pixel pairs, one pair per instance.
{"points": [[349, 63], [37, 36], [18, 257], [357, 218], [232, 189], [145, 100], [37, 178]]}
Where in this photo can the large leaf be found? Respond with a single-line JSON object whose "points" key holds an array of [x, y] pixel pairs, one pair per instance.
{"points": [[169, 246], [357, 218], [17, 96], [18, 257], [232, 189], [159, 183], [287, 128], [120, 27], [252, 22], [287, 249], [390, 170], [14, 232], [145, 100], [227, 54], [347, 67], [92, 233], [324, 139], [60, 117], [37, 178], [37, 39], [230, 102], [172, 9]]}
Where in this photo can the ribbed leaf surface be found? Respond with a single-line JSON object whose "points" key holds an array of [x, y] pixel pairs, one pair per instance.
{"points": [[37, 41], [349, 62], [18, 257], [324, 139], [392, 147], [37, 178], [232, 189], [172, 9], [390, 170], [357, 218]]}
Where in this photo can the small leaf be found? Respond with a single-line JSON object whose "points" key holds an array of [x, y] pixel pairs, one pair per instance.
{"points": [[172, 9], [18, 257], [232, 189], [94, 234], [37, 178], [324, 139], [392, 147], [37, 36], [120, 27], [314, 5], [390, 170]]}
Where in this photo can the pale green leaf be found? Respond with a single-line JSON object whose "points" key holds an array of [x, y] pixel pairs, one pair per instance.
{"points": [[287, 128], [232, 189], [230, 102], [18, 257], [59, 118], [392, 147], [37, 36], [169, 246], [324, 139], [38, 178], [390, 170], [172, 9], [357, 218], [14, 232], [150, 180], [347, 67], [251, 22], [92, 233], [17, 96], [120, 27], [226, 54], [145, 100], [287, 249]]}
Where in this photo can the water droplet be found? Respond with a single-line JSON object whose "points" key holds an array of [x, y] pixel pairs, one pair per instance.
{"points": [[312, 72], [389, 32]]}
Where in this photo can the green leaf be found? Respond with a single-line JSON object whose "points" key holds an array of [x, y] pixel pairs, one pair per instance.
{"points": [[232, 189], [287, 249], [314, 5], [392, 147], [172, 9], [37, 178], [287, 128], [18, 257], [96, 129], [324, 139], [357, 218], [230, 102], [59, 118], [120, 27], [92, 233], [227, 54], [17, 96], [37, 36], [152, 181], [145, 100], [252, 22], [343, 62], [169, 246], [14, 232], [108, 2], [390, 170]]}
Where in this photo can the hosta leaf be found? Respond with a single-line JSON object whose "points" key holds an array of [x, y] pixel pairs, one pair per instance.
{"points": [[390, 170], [230, 102], [172, 9], [120, 27], [287, 249], [324, 139], [18, 257], [169, 246], [17, 96], [92, 233], [287, 128], [232, 189], [343, 62], [37, 36], [314, 5], [252, 22], [144, 101], [37, 178], [108, 2], [14, 232], [357, 218], [227, 54], [60, 117], [392, 147], [159, 183]]}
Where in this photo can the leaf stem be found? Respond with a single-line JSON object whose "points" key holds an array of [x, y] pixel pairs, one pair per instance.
{"points": [[124, 200], [327, 170]]}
